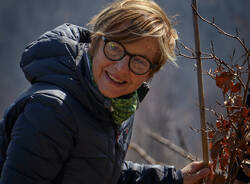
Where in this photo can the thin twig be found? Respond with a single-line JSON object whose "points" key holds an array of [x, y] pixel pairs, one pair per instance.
{"points": [[172, 146], [185, 47], [209, 56], [221, 30], [192, 57], [229, 68], [192, 51]]}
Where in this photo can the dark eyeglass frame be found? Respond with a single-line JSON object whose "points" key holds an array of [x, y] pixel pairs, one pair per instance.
{"points": [[151, 65]]}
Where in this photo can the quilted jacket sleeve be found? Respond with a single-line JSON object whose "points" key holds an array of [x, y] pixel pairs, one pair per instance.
{"points": [[133, 173], [41, 141]]}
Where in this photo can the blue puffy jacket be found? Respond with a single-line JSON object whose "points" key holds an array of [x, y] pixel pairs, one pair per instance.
{"points": [[60, 130]]}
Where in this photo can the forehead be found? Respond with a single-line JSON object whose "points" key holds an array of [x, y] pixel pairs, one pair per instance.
{"points": [[147, 47]]}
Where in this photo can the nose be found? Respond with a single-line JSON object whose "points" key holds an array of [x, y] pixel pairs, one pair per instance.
{"points": [[122, 65]]}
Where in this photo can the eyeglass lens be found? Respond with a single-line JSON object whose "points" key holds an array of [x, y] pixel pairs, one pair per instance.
{"points": [[115, 51]]}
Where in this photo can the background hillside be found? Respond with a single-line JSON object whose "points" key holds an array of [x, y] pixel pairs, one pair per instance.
{"points": [[172, 104]]}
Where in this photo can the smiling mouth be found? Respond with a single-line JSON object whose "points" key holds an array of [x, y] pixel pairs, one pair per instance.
{"points": [[115, 79]]}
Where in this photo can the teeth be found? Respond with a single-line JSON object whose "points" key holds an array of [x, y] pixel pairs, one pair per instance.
{"points": [[114, 79]]}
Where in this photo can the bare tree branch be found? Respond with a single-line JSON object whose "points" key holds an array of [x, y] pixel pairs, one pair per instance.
{"points": [[220, 30], [172, 146], [185, 47], [192, 57], [143, 154], [229, 68], [248, 80], [230, 78], [200, 85]]}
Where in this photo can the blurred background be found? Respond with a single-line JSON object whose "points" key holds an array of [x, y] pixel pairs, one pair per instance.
{"points": [[171, 107]]}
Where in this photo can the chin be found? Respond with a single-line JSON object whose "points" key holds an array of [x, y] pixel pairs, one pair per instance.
{"points": [[111, 94], [108, 94]]}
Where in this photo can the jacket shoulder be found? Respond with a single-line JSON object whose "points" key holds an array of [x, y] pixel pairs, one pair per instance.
{"points": [[50, 97], [61, 41]]}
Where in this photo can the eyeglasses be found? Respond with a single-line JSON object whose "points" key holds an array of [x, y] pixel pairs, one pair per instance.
{"points": [[137, 64]]}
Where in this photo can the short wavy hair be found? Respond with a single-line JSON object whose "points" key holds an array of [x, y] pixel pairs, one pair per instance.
{"points": [[130, 20]]}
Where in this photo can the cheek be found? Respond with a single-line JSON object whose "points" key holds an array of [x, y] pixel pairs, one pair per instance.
{"points": [[100, 63]]}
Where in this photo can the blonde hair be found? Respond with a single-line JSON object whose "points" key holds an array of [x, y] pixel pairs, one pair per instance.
{"points": [[129, 20]]}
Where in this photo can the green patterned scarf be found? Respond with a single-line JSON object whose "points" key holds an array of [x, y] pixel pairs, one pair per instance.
{"points": [[122, 107]]}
